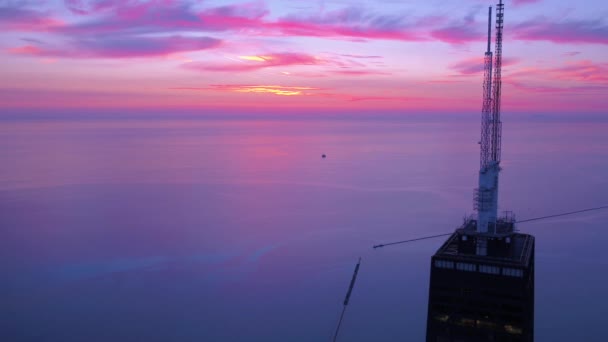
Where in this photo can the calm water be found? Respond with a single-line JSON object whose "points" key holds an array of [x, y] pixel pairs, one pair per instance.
{"points": [[238, 230]]}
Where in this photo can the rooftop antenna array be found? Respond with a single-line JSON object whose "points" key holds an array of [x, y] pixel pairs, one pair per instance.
{"points": [[486, 195]]}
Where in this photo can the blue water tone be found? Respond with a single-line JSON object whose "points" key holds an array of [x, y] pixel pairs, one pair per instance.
{"points": [[238, 230]]}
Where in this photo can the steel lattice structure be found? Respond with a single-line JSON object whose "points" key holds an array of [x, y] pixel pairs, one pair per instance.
{"points": [[486, 196], [486, 109], [497, 85]]}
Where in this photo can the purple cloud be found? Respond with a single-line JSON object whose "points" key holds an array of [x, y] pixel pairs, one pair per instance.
{"points": [[458, 34], [468, 30], [570, 32], [252, 63], [17, 17], [524, 2], [353, 22], [133, 17], [122, 47], [85, 7], [475, 65]]}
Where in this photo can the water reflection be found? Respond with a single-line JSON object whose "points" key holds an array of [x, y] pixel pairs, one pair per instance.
{"points": [[234, 230]]}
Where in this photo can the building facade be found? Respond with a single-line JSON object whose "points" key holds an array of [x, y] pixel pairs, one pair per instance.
{"points": [[482, 298]]}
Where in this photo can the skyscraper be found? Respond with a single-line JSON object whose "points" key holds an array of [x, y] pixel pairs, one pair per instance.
{"points": [[482, 297], [482, 277]]}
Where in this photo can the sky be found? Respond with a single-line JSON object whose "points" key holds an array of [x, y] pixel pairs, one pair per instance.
{"points": [[219, 56]]}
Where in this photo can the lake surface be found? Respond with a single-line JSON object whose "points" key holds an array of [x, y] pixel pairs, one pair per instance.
{"points": [[238, 230]]}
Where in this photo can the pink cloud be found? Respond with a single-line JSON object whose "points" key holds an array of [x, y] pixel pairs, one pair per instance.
{"points": [[255, 89], [122, 28], [19, 18], [445, 81], [383, 98], [583, 71], [358, 72], [26, 50], [85, 7], [362, 56], [570, 32], [156, 16], [122, 47], [586, 72], [352, 22], [524, 2], [475, 65], [282, 60], [580, 77], [542, 89], [252, 18], [252, 63], [112, 21], [458, 34], [301, 28], [299, 91]]}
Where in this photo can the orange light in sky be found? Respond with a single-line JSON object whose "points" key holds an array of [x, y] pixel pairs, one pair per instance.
{"points": [[256, 58], [277, 90]]}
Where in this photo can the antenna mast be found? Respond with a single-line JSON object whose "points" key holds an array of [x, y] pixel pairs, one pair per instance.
{"points": [[486, 110], [497, 86], [486, 196]]}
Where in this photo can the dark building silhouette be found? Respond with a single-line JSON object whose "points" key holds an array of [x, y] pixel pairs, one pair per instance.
{"points": [[482, 277], [488, 297]]}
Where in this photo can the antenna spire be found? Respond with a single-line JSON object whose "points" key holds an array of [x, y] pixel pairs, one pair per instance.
{"points": [[486, 196], [489, 28]]}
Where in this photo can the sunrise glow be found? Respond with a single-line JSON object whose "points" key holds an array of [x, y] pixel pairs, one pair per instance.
{"points": [[404, 56]]}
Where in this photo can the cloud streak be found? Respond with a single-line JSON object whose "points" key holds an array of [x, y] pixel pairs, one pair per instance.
{"points": [[569, 32], [166, 16], [353, 22], [253, 63], [358, 72], [583, 71], [473, 66], [524, 2], [256, 89], [19, 18], [121, 47]]}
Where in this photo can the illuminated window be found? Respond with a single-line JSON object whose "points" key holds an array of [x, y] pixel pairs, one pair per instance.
{"points": [[444, 264], [513, 330], [442, 318], [467, 322], [512, 272], [466, 267], [489, 269]]}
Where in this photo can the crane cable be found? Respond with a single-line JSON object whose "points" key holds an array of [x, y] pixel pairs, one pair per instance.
{"points": [[522, 221]]}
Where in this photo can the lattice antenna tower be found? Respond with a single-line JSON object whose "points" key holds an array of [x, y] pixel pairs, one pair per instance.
{"points": [[486, 110], [497, 85], [486, 196]]}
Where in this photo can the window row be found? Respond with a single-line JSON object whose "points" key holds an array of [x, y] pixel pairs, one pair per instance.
{"points": [[462, 266], [489, 269], [512, 272], [466, 267], [444, 264]]}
